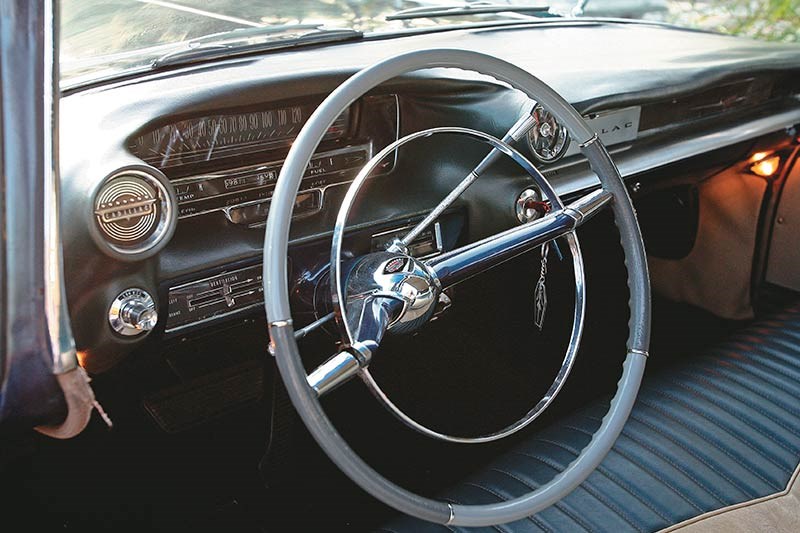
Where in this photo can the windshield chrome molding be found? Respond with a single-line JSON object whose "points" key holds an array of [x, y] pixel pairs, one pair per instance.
{"points": [[59, 331], [483, 8]]}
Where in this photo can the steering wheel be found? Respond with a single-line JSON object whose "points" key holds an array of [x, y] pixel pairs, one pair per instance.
{"points": [[392, 291]]}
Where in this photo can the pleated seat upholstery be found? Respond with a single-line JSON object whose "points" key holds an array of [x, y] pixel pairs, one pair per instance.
{"points": [[714, 431]]}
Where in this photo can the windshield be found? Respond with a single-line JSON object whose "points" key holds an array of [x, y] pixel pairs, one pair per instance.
{"points": [[103, 38]]}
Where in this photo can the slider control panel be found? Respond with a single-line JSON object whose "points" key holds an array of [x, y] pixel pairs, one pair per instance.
{"points": [[214, 297]]}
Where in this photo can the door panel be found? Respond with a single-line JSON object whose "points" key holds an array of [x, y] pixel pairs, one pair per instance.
{"points": [[783, 267]]}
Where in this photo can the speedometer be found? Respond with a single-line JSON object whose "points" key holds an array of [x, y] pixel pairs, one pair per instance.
{"points": [[548, 139], [205, 138]]}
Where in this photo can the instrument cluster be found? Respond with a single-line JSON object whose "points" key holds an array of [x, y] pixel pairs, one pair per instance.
{"points": [[229, 163], [225, 163], [203, 139]]}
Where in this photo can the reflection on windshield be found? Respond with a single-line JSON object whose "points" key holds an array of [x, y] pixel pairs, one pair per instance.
{"points": [[100, 38], [112, 35]]}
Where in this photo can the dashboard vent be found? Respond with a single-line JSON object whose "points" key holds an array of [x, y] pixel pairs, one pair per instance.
{"points": [[134, 213]]}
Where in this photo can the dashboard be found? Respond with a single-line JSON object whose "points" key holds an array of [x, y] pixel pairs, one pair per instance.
{"points": [[167, 179], [230, 162], [206, 138]]}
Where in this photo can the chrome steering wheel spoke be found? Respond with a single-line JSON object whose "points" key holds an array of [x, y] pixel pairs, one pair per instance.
{"points": [[515, 133], [370, 315], [336, 371], [460, 264]]}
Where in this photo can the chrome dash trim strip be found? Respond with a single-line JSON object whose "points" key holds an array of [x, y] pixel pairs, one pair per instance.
{"points": [[214, 318], [367, 147], [56, 314], [635, 161]]}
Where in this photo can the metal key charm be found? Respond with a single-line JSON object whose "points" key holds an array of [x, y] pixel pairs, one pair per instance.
{"points": [[540, 293]]}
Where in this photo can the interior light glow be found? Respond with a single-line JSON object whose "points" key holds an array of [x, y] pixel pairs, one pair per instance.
{"points": [[758, 156], [766, 167]]}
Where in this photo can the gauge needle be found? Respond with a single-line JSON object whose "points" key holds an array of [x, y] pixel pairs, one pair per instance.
{"points": [[213, 142], [517, 131]]}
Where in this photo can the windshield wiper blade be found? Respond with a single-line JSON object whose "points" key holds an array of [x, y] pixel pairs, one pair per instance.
{"points": [[253, 40], [467, 10]]}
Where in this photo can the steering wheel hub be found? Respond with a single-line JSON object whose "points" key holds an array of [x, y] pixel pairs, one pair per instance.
{"points": [[403, 286]]}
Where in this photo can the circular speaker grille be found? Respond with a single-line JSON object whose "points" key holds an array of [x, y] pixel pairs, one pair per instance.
{"points": [[132, 211], [127, 209]]}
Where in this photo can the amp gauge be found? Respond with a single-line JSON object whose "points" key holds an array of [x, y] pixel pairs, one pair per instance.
{"points": [[548, 139]]}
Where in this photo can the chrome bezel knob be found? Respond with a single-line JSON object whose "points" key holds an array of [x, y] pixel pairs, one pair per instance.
{"points": [[529, 206], [548, 139], [133, 312]]}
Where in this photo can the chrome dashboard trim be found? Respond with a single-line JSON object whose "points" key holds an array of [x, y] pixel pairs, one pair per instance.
{"points": [[320, 191], [56, 315], [616, 126], [213, 318], [229, 172], [437, 237], [642, 157], [631, 160], [367, 146]]}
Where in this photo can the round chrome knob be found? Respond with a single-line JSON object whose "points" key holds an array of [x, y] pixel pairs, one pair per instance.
{"points": [[530, 206], [545, 130], [137, 315], [133, 312]]}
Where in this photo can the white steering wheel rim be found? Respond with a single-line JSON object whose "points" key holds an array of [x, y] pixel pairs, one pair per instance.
{"points": [[276, 297]]}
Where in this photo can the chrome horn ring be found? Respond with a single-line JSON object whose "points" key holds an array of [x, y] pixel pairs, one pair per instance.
{"points": [[340, 299]]}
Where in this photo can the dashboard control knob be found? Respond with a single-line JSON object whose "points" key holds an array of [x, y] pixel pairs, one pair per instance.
{"points": [[530, 206], [547, 139], [133, 312]]}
